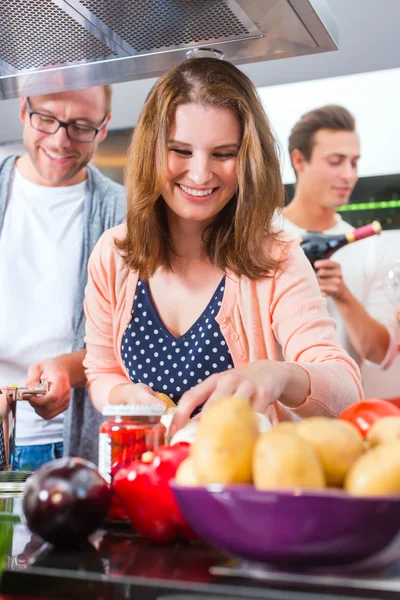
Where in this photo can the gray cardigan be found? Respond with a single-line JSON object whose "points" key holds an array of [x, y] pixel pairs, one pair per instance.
{"points": [[104, 208]]}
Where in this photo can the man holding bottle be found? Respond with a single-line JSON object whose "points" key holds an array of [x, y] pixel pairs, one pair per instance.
{"points": [[325, 149]]}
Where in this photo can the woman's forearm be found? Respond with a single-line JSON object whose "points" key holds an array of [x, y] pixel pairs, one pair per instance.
{"points": [[298, 386]]}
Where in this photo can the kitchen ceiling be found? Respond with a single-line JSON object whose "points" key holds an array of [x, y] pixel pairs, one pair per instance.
{"points": [[369, 41], [56, 45]]}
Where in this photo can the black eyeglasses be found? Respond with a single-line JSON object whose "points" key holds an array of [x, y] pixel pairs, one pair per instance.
{"points": [[75, 131]]}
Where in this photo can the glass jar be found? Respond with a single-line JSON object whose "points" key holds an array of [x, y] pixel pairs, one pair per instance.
{"points": [[128, 432]]}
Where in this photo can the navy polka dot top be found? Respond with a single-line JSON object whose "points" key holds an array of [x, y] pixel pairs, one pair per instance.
{"points": [[152, 355]]}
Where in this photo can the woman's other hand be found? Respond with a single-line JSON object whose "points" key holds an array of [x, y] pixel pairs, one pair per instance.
{"points": [[135, 393]]}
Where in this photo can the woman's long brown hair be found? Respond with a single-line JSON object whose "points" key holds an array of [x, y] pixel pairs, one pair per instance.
{"points": [[235, 241]]}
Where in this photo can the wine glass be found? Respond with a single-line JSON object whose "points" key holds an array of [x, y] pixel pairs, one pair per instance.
{"points": [[393, 286]]}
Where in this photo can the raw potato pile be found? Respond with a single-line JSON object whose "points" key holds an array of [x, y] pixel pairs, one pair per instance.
{"points": [[313, 453]]}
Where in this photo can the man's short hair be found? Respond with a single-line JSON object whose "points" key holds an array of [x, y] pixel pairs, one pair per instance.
{"points": [[108, 96], [332, 117]]}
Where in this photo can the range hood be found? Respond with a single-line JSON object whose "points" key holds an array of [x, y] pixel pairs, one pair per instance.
{"points": [[56, 45]]}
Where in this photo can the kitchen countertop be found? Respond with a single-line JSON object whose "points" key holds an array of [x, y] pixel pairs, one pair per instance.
{"points": [[119, 565]]}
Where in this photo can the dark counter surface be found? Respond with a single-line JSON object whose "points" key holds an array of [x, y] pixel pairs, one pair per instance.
{"points": [[118, 565]]}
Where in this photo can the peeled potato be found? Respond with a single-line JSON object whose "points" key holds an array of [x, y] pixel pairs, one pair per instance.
{"points": [[283, 460], [337, 443], [377, 472], [187, 433], [186, 474], [264, 424], [166, 419], [387, 429]]}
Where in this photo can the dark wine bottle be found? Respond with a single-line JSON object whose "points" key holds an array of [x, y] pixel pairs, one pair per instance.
{"points": [[317, 245]]}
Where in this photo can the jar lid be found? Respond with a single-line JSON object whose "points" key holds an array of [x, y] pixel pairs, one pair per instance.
{"points": [[133, 410]]}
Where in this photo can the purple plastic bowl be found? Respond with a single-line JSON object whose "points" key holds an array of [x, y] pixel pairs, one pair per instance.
{"points": [[321, 528]]}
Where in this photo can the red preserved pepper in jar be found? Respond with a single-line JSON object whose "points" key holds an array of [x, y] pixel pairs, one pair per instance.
{"points": [[127, 432]]}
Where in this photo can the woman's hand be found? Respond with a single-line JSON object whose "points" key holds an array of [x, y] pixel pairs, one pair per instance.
{"points": [[134, 393], [262, 383]]}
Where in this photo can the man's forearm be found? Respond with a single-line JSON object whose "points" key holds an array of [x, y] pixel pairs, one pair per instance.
{"points": [[74, 365], [369, 337]]}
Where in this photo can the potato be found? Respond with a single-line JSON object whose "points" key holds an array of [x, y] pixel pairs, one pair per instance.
{"points": [[387, 429], [225, 439], [337, 443], [282, 460], [189, 431], [377, 472], [186, 474], [366, 445], [287, 426], [168, 402]]}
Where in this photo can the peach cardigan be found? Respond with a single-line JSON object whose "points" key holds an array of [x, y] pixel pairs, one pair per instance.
{"points": [[282, 315]]}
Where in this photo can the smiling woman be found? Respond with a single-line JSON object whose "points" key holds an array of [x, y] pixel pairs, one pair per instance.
{"points": [[210, 104], [201, 173], [195, 294]]}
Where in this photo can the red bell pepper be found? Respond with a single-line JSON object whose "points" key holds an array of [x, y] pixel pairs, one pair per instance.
{"points": [[144, 489], [365, 413]]}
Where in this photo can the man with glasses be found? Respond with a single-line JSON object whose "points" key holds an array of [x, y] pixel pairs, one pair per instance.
{"points": [[79, 131], [54, 207]]}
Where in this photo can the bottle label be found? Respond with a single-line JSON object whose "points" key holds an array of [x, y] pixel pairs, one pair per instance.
{"points": [[105, 456]]}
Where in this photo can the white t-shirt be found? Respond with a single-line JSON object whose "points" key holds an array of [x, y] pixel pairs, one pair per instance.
{"points": [[40, 246], [364, 268]]}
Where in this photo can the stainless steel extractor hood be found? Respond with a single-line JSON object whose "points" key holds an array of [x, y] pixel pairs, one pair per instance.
{"points": [[56, 45]]}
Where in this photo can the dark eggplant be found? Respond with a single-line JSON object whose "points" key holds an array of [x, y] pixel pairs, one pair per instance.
{"points": [[65, 500]]}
